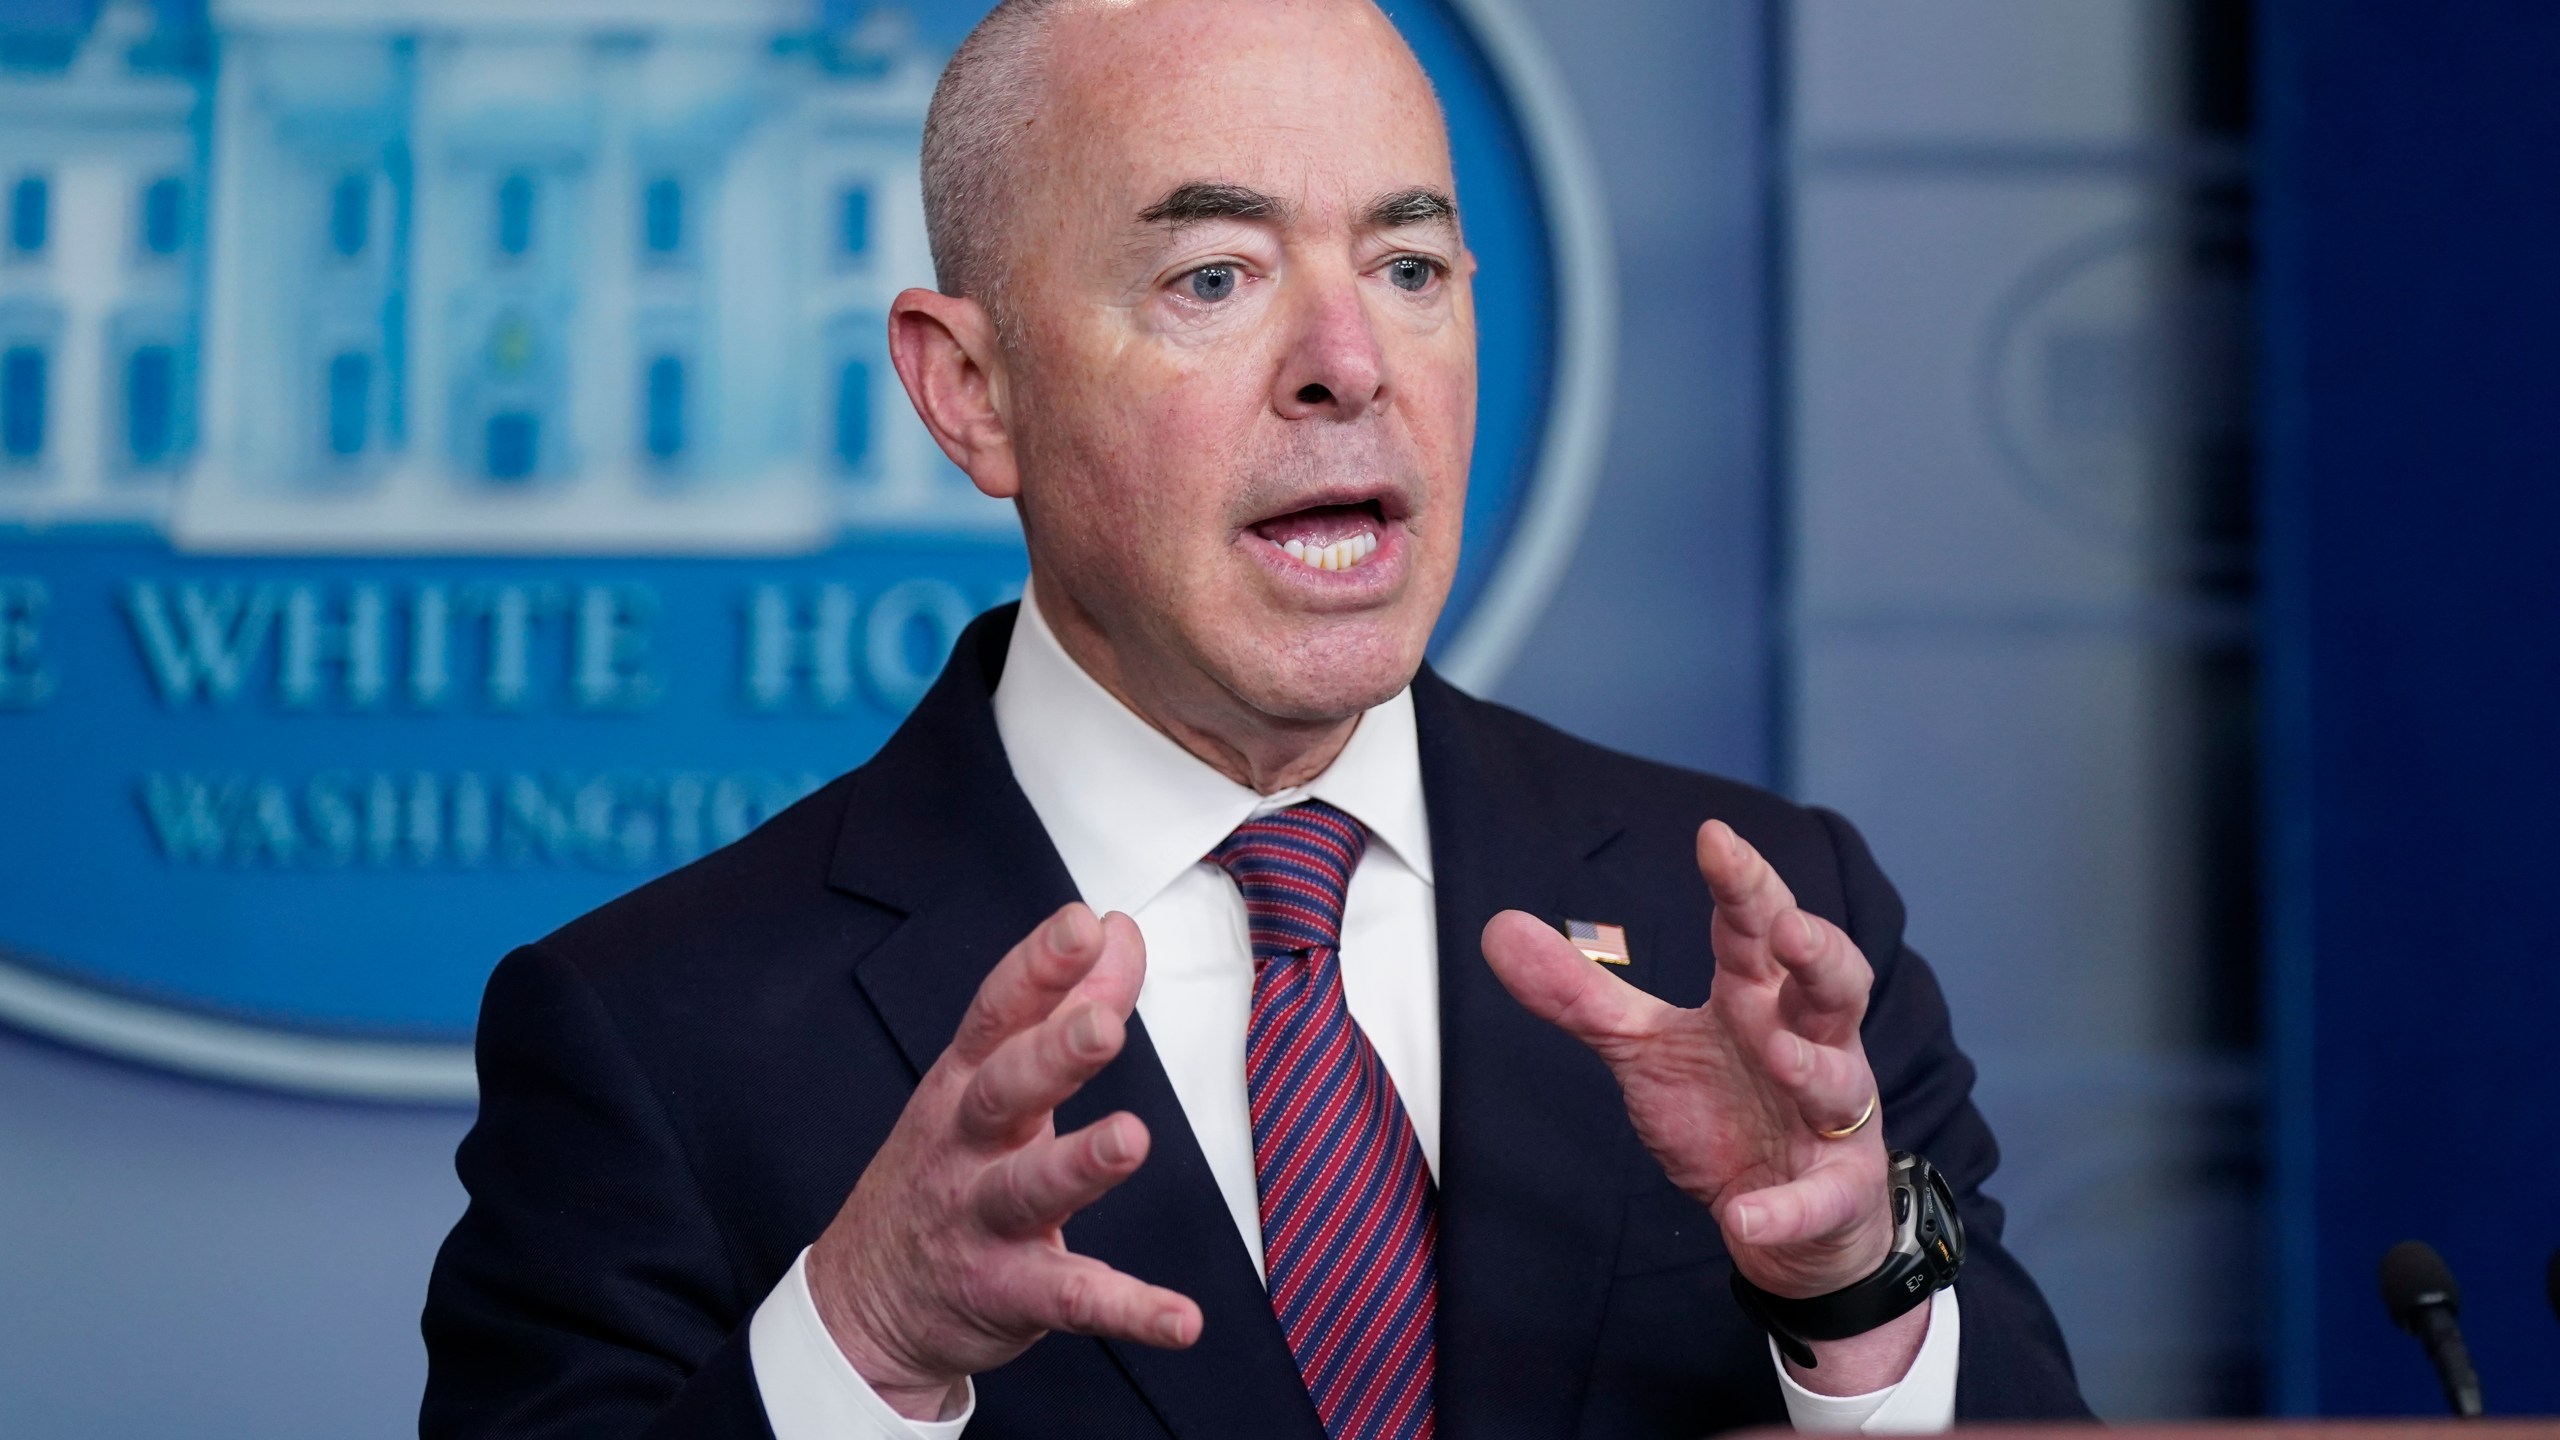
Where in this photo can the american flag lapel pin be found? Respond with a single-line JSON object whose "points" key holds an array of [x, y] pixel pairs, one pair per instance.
{"points": [[1604, 943]]}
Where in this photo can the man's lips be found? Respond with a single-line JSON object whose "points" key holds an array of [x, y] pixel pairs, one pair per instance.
{"points": [[1328, 537]]}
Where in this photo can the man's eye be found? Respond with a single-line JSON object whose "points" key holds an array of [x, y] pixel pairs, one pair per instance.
{"points": [[1213, 283], [1409, 272]]}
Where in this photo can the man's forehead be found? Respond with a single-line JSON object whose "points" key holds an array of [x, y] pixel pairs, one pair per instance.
{"points": [[1316, 104]]}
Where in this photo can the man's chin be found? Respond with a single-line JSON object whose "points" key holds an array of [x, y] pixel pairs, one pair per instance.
{"points": [[1327, 671]]}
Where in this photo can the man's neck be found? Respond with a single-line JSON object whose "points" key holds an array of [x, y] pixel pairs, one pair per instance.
{"points": [[1260, 751]]}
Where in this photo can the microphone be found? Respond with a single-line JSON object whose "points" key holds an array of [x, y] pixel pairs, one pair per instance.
{"points": [[2419, 1291]]}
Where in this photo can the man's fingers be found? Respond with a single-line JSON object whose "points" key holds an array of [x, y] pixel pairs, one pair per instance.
{"points": [[1029, 981], [1038, 1186], [1031, 1073], [1560, 985], [1749, 895], [1815, 1206], [1828, 996], [1080, 1294], [1120, 970], [1760, 934], [1829, 1084]]}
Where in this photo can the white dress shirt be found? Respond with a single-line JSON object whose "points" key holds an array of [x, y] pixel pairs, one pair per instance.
{"points": [[1133, 815]]}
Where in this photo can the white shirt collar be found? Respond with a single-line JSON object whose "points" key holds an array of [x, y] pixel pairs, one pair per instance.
{"points": [[1130, 810]]}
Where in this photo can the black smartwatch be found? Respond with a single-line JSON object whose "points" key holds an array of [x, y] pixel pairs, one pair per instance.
{"points": [[1928, 1250]]}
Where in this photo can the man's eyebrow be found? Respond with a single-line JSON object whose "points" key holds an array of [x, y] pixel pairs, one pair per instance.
{"points": [[1420, 205], [1199, 200]]}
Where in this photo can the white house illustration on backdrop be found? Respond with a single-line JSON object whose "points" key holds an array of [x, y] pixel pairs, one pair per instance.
{"points": [[468, 276]]}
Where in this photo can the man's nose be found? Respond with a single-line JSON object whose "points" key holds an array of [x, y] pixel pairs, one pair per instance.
{"points": [[1335, 368]]}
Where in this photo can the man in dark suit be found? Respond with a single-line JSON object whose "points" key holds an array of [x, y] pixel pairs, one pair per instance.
{"points": [[867, 1125]]}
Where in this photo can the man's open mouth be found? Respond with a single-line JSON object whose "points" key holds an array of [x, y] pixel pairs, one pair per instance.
{"points": [[1328, 537]]}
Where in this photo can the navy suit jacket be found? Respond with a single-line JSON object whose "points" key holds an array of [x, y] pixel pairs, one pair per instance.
{"points": [[678, 1091]]}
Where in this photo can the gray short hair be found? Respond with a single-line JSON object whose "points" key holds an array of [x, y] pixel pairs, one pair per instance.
{"points": [[988, 95]]}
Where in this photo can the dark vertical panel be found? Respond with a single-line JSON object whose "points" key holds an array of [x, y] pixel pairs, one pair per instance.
{"points": [[663, 435], [2410, 518], [350, 213], [514, 436], [662, 217], [853, 223], [150, 394], [30, 214], [163, 219], [22, 402], [350, 403], [853, 414], [515, 215]]}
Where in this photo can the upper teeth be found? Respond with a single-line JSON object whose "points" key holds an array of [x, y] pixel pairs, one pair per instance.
{"points": [[1340, 555]]}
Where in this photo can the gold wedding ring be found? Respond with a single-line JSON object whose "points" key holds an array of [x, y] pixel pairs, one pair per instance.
{"points": [[1854, 1126]]}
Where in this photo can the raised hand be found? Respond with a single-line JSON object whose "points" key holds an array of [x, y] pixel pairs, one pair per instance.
{"points": [[948, 1257], [1732, 1097]]}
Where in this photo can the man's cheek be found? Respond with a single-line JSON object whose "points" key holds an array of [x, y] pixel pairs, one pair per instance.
{"points": [[1443, 424], [1208, 418]]}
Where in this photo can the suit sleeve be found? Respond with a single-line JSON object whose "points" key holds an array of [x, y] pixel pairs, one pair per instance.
{"points": [[2013, 1364], [586, 1291]]}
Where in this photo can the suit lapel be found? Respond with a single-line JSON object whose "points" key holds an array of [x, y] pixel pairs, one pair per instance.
{"points": [[1534, 1138], [937, 830]]}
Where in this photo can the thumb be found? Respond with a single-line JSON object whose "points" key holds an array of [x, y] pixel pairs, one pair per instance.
{"points": [[1562, 986]]}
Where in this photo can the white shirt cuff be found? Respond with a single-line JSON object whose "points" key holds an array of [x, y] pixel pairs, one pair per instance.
{"points": [[811, 1392], [1923, 1403]]}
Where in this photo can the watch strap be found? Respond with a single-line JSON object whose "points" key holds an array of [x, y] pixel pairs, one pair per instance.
{"points": [[1928, 1251]]}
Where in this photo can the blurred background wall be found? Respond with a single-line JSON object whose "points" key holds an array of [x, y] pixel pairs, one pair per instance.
{"points": [[1928, 493], [2017, 580]]}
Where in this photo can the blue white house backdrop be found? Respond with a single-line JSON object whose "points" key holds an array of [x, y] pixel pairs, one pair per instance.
{"points": [[450, 471]]}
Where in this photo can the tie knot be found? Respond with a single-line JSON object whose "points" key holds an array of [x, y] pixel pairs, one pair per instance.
{"points": [[1293, 866]]}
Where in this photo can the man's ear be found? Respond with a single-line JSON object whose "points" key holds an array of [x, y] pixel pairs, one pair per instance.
{"points": [[946, 352]]}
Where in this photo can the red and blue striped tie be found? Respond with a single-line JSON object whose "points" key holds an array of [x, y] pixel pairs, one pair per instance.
{"points": [[1349, 1218]]}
